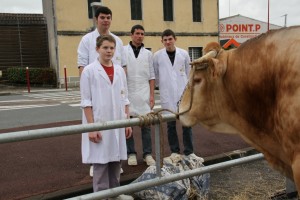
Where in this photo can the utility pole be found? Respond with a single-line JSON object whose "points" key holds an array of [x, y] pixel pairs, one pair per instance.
{"points": [[285, 16], [268, 15], [229, 8]]}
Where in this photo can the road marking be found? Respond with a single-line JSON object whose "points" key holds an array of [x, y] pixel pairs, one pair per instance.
{"points": [[12, 107], [71, 98], [75, 105], [62, 97], [157, 107], [20, 100]]}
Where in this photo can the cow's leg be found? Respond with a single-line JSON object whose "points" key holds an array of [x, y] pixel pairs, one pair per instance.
{"points": [[296, 171], [278, 165]]}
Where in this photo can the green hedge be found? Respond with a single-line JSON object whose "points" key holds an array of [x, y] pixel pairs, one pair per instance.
{"points": [[39, 76]]}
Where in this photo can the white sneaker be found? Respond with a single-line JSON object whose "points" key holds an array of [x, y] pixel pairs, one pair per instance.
{"points": [[91, 171], [132, 159], [123, 197], [149, 160], [175, 157], [193, 156], [121, 171]]}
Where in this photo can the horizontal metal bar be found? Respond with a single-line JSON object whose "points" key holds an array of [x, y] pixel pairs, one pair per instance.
{"points": [[75, 129], [135, 187]]}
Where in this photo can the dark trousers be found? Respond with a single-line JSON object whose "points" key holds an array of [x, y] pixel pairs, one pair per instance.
{"points": [[173, 139], [146, 142]]}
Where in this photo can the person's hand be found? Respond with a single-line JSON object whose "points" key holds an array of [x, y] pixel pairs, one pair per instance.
{"points": [[95, 136], [128, 132], [152, 102]]}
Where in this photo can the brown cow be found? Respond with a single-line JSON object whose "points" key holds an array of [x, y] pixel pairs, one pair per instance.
{"points": [[253, 90]]}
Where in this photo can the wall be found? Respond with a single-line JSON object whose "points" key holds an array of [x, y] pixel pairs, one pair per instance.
{"points": [[72, 23]]}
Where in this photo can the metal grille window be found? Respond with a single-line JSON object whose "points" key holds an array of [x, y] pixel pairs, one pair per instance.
{"points": [[195, 52], [90, 8], [23, 41], [196, 10], [168, 10], [136, 9]]}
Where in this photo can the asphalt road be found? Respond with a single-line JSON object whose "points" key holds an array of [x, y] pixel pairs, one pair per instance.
{"points": [[25, 109], [45, 167]]}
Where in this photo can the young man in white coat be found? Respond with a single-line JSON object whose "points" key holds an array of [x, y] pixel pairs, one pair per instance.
{"points": [[141, 83], [86, 51], [172, 67]]}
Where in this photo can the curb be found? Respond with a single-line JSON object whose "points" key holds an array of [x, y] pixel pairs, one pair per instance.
{"points": [[5, 93]]}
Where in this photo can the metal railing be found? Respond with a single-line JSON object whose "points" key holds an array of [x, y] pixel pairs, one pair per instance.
{"points": [[134, 187]]}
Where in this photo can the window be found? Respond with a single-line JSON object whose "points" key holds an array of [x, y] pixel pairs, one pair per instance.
{"points": [[90, 8], [136, 9], [195, 52], [168, 10], [196, 10]]}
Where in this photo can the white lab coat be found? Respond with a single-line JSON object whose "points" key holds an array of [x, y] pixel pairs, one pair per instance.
{"points": [[87, 50], [108, 102], [171, 79], [139, 71]]}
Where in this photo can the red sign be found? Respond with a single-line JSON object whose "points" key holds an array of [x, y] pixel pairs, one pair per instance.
{"points": [[240, 28]]}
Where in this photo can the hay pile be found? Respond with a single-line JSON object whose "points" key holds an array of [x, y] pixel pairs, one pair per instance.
{"points": [[254, 180]]}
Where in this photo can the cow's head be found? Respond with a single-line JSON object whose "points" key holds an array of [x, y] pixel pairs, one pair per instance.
{"points": [[203, 89]]}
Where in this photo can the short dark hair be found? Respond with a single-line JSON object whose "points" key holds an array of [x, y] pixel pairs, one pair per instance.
{"points": [[102, 38], [104, 10], [138, 27], [168, 32]]}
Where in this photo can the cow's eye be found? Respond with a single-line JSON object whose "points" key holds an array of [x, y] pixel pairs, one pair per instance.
{"points": [[197, 80]]}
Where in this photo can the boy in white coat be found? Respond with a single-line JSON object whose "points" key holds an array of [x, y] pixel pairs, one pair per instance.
{"points": [[86, 48], [103, 89]]}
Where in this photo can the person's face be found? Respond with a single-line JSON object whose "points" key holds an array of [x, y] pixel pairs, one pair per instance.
{"points": [[103, 21], [106, 50], [169, 42], [137, 37]]}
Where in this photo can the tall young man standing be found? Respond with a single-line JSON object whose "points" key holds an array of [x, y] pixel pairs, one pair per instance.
{"points": [[86, 50], [140, 81], [172, 67]]}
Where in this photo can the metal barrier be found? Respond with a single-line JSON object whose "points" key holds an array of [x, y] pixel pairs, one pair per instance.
{"points": [[78, 129], [134, 187]]}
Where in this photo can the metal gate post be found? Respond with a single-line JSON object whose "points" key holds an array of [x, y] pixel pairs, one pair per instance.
{"points": [[157, 150]]}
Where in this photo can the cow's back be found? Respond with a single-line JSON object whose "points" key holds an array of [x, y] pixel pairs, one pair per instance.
{"points": [[264, 74]]}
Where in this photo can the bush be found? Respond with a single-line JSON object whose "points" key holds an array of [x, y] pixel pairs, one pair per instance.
{"points": [[39, 76]]}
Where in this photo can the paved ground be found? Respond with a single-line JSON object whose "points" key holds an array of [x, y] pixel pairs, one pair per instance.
{"points": [[51, 168], [44, 166]]}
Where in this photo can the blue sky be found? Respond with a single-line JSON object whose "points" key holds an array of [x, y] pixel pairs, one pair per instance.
{"points": [[257, 9]]}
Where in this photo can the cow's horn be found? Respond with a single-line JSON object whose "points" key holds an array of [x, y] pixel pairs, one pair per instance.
{"points": [[201, 66], [210, 54]]}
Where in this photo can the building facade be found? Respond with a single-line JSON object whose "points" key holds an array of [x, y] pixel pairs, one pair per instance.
{"points": [[195, 23]]}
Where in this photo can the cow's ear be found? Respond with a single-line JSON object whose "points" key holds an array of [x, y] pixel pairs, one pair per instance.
{"points": [[218, 68]]}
